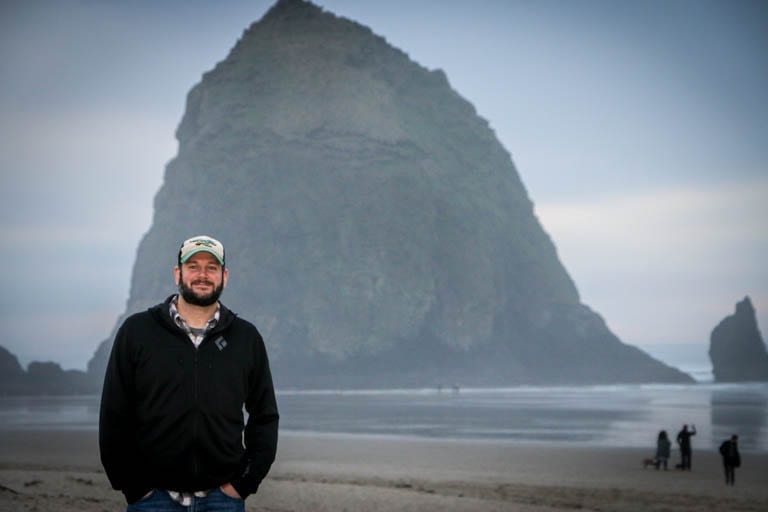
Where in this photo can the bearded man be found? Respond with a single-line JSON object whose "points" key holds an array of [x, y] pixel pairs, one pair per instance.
{"points": [[172, 434]]}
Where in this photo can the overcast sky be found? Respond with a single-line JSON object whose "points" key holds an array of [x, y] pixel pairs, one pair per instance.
{"points": [[640, 130]]}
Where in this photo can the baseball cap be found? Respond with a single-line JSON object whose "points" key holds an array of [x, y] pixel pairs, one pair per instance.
{"points": [[198, 244]]}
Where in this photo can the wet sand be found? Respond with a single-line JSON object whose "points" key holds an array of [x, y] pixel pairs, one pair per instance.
{"points": [[60, 471]]}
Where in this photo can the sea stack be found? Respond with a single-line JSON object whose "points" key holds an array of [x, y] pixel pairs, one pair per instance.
{"points": [[377, 231], [737, 349], [40, 378]]}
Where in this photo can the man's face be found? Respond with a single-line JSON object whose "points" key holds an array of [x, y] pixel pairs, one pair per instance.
{"points": [[201, 279]]}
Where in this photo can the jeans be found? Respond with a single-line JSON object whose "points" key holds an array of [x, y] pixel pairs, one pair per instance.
{"points": [[215, 501]]}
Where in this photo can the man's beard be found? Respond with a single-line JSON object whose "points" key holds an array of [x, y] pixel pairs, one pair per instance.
{"points": [[200, 300]]}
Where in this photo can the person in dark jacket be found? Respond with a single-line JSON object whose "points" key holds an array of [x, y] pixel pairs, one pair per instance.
{"points": [[729, 449], [171, 428], [684, 440]]}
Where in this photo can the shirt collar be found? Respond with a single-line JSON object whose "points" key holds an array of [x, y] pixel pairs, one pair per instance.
{"points": [[179, 320]]}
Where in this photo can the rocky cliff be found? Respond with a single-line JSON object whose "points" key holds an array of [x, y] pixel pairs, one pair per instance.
{"points": [[737, 349], [378, 233], [41, 378]]}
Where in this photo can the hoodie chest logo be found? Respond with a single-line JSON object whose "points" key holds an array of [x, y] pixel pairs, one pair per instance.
{"points": [[221, 342]]}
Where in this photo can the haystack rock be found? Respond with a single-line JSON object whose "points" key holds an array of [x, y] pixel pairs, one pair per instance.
{"points": [[377, 232], [737, 349]]}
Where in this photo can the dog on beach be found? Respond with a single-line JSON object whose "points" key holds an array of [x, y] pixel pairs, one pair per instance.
{"points": [[649, 461]]}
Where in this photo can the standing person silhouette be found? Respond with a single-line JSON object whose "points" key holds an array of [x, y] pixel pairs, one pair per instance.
{"points": [[731, 458], [662, 450], [172, 432], [684, 440]]}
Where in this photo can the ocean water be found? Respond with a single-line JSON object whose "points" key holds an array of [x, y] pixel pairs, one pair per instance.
{"points": [[611, 416]]}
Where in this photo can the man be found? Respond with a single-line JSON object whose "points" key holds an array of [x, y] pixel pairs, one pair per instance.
{"points": [[171, 429], [729, 449], [684, 440]]}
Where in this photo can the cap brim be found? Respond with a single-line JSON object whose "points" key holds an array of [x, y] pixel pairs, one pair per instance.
{"points": [[202, 249]]}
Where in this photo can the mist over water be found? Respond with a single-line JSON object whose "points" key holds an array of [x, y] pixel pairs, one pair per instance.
{"points": [[592, 416], [692, 358]]}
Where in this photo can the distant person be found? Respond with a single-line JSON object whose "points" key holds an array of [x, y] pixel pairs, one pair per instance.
{"points": [[729, 449], [663, 447], [171, 429], [684, 440]]}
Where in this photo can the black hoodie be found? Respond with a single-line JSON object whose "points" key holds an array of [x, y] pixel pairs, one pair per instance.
{"points": [[172, 415]]}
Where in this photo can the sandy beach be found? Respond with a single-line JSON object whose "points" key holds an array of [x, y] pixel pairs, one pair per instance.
{"points": [[60, 471]]}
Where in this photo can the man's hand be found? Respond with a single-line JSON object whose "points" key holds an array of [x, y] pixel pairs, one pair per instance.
{"points": [[230, 491]]}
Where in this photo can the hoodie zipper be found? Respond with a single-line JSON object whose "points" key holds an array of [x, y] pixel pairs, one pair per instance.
{"points": [[196, 397], [195, 383]]}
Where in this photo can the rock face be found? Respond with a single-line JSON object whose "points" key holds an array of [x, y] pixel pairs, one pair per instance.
{"points": [[11, 373], [40, 378], [737, 349], [9, 365], [377, 231]]}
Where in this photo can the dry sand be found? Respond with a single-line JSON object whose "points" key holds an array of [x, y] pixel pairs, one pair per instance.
{"points": [[60, 471]]}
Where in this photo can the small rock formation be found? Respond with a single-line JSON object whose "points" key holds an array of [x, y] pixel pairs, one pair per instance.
{"points": [[11, 373], [737, 349], [40, 378], [10, 368]]}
